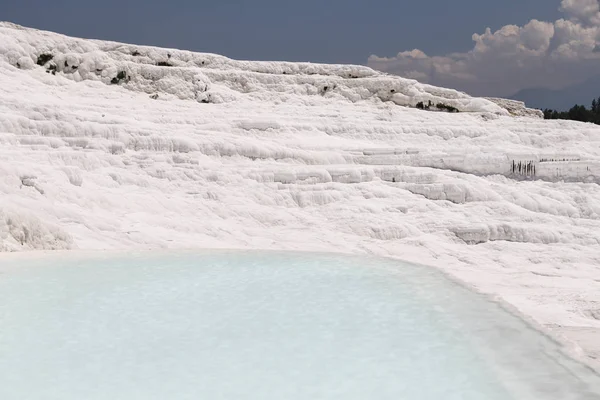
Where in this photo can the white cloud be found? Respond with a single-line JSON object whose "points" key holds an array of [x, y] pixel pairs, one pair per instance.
{"points": [[584, 11], [539, 54]]}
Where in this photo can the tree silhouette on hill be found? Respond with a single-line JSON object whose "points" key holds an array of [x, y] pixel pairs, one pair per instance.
{"points": [[577, 113]]}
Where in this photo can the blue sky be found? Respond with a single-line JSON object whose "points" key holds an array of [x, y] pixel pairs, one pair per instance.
{"points": [[345, 31]]}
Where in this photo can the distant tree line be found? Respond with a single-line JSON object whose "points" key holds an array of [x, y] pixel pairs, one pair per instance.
{"points": [[577, 113]]}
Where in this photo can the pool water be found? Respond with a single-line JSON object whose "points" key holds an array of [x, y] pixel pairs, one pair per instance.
{"points": [[261, 325]]}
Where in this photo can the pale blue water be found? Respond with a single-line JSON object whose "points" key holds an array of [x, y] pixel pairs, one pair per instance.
{"points": [[252, 325]]}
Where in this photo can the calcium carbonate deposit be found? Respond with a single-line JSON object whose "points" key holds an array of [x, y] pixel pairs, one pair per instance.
{"points": [[112, 146]]}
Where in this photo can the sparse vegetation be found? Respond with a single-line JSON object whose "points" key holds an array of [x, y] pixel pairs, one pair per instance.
{"points": [[423, 106], [440, 106], [164, 64], [327, 89], [446, 107], [43, 59], [121, 76]]}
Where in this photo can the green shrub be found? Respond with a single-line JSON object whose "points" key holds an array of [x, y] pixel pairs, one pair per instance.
{"points": [[43, 59], [440, 106], [122, 75], [446, 107]]}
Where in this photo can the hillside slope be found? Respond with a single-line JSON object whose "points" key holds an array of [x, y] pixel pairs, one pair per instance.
{"points": [[112, 146], [562, 99]]}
